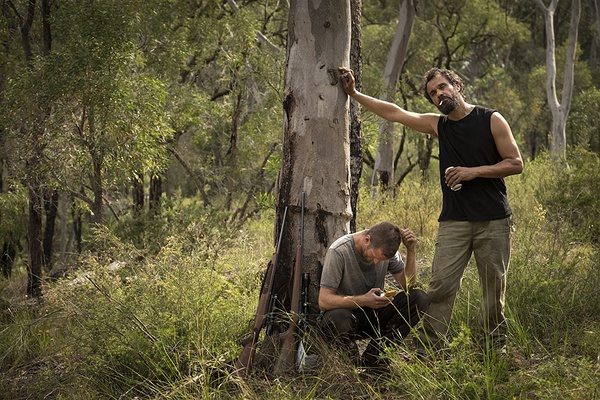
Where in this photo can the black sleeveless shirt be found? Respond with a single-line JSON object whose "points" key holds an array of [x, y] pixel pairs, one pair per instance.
{"points": [[469, 143]]}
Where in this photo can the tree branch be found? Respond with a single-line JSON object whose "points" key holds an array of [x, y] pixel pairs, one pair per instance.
{"points": [[239, 213], [197, 182]]}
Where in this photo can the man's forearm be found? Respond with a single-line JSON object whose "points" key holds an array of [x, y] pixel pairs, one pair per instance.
{"points": [[502, 169], [410, 269], [379, 107], [334, 301], [424, 123]]}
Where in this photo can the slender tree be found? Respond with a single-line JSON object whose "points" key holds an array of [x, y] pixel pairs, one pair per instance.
{"points": [[33, 128], [383, 172], [560, 110], [356, 136]]}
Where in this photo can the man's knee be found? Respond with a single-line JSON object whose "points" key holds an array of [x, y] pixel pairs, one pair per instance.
{"points": [[440, 290], [339, 322], [419, 300]]}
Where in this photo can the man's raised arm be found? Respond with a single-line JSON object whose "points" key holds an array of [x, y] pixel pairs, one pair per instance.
{"points": [[426, 123]]}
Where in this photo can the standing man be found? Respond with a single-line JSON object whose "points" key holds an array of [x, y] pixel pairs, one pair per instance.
{"points": [[477, 151], [351, 296]]}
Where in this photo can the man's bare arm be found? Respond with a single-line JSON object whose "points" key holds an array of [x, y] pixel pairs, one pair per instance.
{"points": [[511, 163], [408, 276], [426, 123]]}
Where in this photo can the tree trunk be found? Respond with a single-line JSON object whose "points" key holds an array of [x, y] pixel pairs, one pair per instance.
{"points": [[9, 252], [199, 184], [233, 150], [425, 144], [316, 145], [155, 193], [34, 240], [560, 111], [96, 175], [383, 173], [96, 184], [64, 232], [356, 140], [5, 259], [39, 114], [138, 192], [77, 226], [51, 208]]}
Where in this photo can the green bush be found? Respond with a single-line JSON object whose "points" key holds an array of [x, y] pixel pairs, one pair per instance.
{"points": [[148, 324], [553, 280], [569, 192]]}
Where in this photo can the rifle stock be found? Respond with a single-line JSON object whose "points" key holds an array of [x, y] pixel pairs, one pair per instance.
{"points": [[287, 354]]}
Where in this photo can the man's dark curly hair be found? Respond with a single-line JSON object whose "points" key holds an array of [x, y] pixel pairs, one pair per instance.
{"points": [[451, 76]]}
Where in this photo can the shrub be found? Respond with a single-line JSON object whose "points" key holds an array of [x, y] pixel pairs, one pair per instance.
{"points": [[552, 287], [150, 324]]}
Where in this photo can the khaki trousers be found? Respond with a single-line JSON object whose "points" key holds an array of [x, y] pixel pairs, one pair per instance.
{"points": [[489, 242]]}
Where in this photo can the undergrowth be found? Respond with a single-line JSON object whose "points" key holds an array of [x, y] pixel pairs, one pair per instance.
{"points": [[156, 310]]}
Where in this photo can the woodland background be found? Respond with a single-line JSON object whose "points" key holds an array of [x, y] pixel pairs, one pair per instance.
{"points": [[140, 143]]}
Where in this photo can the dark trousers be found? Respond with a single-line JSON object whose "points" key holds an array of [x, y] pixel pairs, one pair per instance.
{"points": [[391, 322]]}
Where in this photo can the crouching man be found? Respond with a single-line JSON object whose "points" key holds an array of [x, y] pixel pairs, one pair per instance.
{"points": [[351, 294]]}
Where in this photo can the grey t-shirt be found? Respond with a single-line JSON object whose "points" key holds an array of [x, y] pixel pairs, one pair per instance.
{"points": [[346, 272]]}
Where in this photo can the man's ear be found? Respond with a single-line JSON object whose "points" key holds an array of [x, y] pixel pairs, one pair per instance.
{"points": [[367, 239], [459, 90]]}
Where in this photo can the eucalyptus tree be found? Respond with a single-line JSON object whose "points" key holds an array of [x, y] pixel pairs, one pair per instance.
{"points": [[584, 121], [8, 237], [112, 110], [356, 131], [383, 170], [13, 220], [560, 109], [316, 146]]}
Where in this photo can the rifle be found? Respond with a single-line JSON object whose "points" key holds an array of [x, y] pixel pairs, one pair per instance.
{"points": [[288, 351], [243, 364]]}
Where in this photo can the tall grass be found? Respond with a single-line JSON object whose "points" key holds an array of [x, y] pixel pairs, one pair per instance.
{"points": [[157, 309]]}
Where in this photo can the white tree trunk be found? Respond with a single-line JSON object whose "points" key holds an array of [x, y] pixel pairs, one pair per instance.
{"points": [[383, 172], [560, 111], [316, 147]]}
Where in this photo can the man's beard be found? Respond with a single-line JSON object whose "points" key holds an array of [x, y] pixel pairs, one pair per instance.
{"points": [[448, 104]]}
